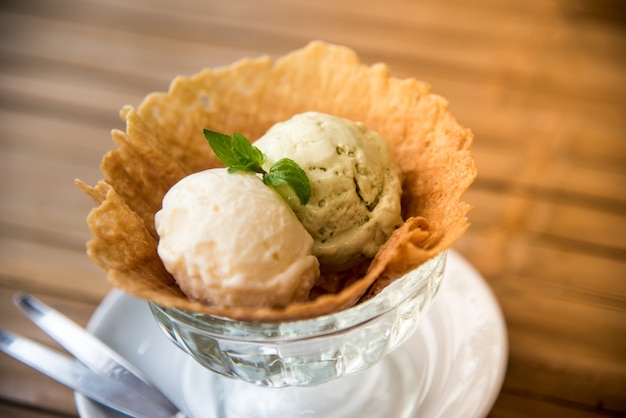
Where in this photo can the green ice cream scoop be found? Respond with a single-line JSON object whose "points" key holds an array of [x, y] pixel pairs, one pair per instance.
{"points": [[355, 184]]}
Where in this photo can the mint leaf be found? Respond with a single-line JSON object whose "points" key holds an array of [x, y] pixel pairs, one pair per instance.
{"points": [[237, 153], [250, 157], [287, 172], [223, 147]]}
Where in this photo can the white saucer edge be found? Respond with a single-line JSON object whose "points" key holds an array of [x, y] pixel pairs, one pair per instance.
{"points": [[88, 409]]}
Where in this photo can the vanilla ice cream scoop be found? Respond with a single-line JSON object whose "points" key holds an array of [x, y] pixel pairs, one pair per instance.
{"points": [[355, 184], [229, 240]]}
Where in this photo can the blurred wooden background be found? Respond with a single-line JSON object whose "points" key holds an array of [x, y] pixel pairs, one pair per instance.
{"points": [[542, 83]]}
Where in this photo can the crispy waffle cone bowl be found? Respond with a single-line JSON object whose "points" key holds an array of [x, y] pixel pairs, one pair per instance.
{"points": [[164, 142]]}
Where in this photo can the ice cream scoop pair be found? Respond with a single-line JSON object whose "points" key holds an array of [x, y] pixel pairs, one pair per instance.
{"points": [[163, 143], [230, 240]]}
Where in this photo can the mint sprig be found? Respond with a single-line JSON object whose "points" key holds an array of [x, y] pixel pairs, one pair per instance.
{"points": [[237, 153]]}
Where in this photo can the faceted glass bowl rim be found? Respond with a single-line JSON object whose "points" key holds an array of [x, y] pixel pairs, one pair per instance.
{"points": [[259, 332]]}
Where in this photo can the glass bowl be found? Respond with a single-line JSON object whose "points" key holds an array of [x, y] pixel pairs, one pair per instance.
{"points": [[307, 352]]}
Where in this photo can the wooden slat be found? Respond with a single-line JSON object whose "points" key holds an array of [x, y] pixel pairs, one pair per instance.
{"points": [[578, 224], [65, 141], [572, 64], [19, 411], [570, 274], [600, 138], [113, 58], [561, 271], [56, 98], [512, 404], [58, 210], [562, 349], [57, 270], [367, 29], [551, 254], [593, 181]]}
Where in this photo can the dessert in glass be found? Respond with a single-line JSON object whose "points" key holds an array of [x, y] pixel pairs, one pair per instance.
{"points": [[328, 366], [308, 295]]}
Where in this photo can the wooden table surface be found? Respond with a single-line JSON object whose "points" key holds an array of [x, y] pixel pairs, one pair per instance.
{"points": [[542, 83]]}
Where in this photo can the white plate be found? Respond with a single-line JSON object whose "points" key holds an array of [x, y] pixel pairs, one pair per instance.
{"points": [[460, 349]]}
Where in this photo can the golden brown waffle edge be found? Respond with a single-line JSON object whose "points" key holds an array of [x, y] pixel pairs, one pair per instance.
{"points": [[164, 142]]}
